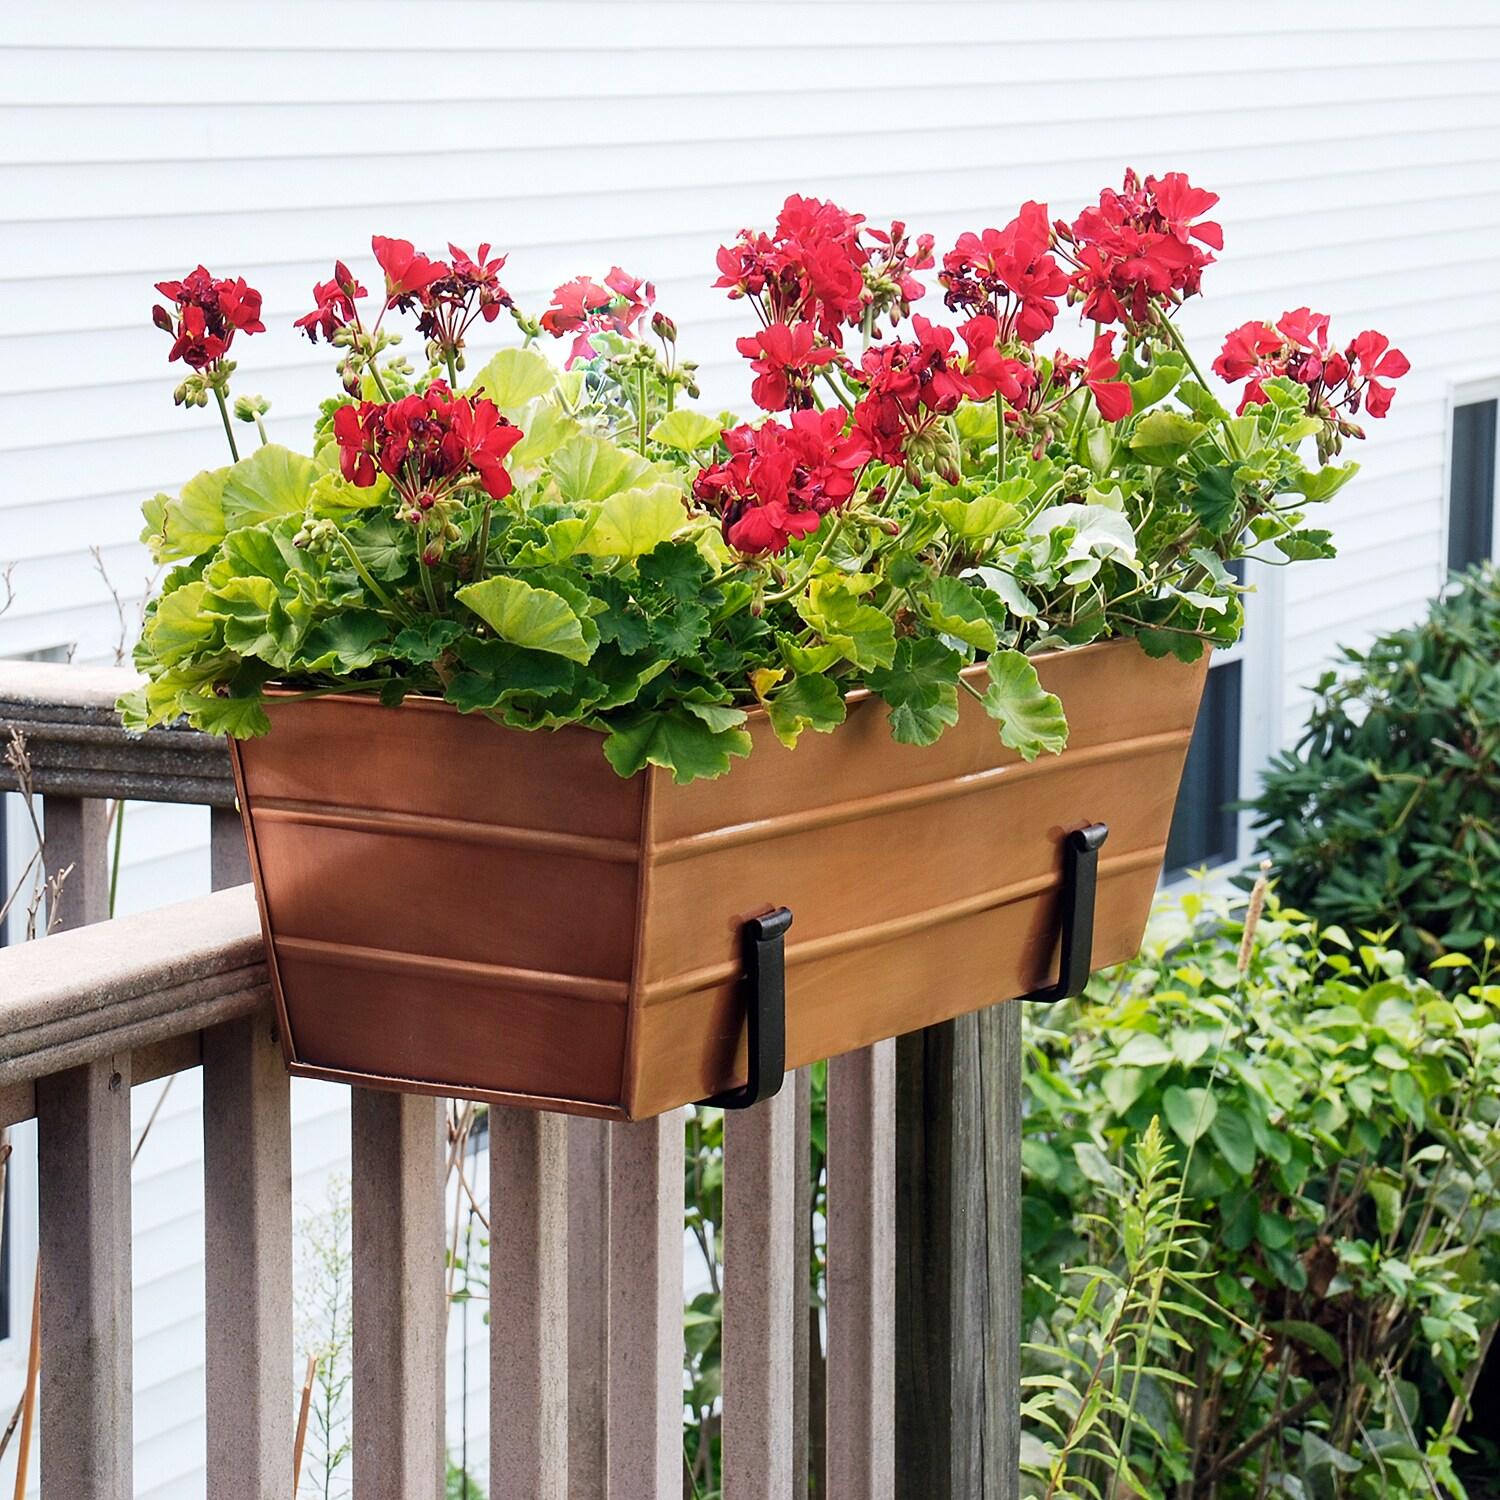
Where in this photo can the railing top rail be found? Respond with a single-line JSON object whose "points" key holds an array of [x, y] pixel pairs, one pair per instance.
{"points": [[78, 748], [129, 983]]}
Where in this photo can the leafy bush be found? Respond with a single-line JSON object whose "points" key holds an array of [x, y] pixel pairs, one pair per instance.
{"points": [[1334, 1119], [1388, 811]]}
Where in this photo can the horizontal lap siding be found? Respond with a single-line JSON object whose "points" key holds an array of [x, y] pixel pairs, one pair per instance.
{"points": [[1357, 167]]}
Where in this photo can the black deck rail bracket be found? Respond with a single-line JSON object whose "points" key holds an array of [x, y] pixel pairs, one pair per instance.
{"points": [[1080, 882], [764, 989]]}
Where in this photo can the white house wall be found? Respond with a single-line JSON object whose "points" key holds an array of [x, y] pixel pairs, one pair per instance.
{"points": [[1356, 151]]}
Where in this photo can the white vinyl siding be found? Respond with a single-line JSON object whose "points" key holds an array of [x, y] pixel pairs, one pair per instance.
{"points": [[1356, 153]]}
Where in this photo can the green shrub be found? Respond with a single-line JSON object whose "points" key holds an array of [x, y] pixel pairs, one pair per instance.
{"points": [[1388, 811], [1335, 1121]]}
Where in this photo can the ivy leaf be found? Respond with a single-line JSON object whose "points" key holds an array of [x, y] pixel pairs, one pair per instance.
{"points": [[676, 568], [1030, 718], [633, 522], [921, 687], [1324, 483], [272, 482], [425, 641], [808, 701], [1212, 498], [677, 740], [345, 642], [532, 617], [952, 607], [686, 430]]}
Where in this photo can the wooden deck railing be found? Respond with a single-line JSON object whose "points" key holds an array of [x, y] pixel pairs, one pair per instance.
{"points": [[586, 1254]]}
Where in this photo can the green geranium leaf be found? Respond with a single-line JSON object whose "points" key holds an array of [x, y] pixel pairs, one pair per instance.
{"points": [[532, 617], [179, 628], [346, 642], [272, 482], [952, 607], [1166, 371], [1162, 437], [561, 540], [860, 632], [808, 701], [1324, 483], [190, 524], [676, 568], [634, 522], [425, 641], [332, 494], [385, 546], [921, 687], [685, 430], [676, 739], [496, 673], [1030, 718], [1303, 544], [513, 377], [240, 718], [589, 468]]}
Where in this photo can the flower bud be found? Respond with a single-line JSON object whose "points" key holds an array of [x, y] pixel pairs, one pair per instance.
{"points": [[663, 327]]}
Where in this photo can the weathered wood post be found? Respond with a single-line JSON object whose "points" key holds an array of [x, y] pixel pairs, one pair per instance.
{"points": [[958, 1270]]}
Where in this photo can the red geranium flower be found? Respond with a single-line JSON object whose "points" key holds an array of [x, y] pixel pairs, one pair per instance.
{"points": [[785, 361], [1371, 355], [990, 271], [583, 307], [1111, 396], [334, 307], [210, 311], [988, 370], [408, 273], [1137, 247]]}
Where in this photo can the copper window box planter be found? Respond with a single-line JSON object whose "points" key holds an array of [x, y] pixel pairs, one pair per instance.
{"points": [[456, 908]]}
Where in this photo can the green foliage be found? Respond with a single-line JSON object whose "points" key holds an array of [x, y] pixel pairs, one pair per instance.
{"points": [[1387, 813], [1324, 1277], [598, 590]]}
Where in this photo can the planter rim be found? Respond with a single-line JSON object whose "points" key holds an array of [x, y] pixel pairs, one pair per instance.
{"points": [[433, 704]]}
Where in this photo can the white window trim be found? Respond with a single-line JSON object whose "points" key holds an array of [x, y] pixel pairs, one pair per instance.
{"points": [[1468, 391]]}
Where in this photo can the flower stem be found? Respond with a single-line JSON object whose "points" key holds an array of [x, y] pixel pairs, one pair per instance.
{"points": [[1174, 338], [482, 550], [999, 437], [369, 582], [260, 427], [228, 430], [452, 369], [640, 431]]}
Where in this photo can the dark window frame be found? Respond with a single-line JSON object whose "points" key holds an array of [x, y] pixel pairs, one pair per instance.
{"points": [[1472, 468]]}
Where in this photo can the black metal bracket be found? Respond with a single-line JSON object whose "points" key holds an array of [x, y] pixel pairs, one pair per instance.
{"points": [[764, 989], [1075, 959]]}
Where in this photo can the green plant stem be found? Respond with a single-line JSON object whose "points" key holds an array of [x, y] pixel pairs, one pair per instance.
{"points": [[1175, 339], [640, 431], [260, 427], [369, 582], [427, 587], [228, 428], [452, 369], [999, 438], [482, 550]]}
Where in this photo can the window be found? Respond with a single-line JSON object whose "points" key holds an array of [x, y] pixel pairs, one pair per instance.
{"points": [[1471, 484], [1205, 826]]}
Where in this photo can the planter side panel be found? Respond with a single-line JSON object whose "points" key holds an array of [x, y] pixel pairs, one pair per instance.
{"points": [[437, 913], [923, 883]]}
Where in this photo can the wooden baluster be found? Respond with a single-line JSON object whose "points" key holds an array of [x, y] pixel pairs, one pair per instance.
{"points": [[760, 1301], [83, 1156], [528, 1306], [645, 1310], [802, 1247], [247, 1202], [400, 1311], [861, 1274], [959, 1278], [588, 1307]]}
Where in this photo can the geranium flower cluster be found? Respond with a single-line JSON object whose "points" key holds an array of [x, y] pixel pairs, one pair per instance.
{"points": [[1340, 382], [430, 446], [208, 312], [584, 308]]}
